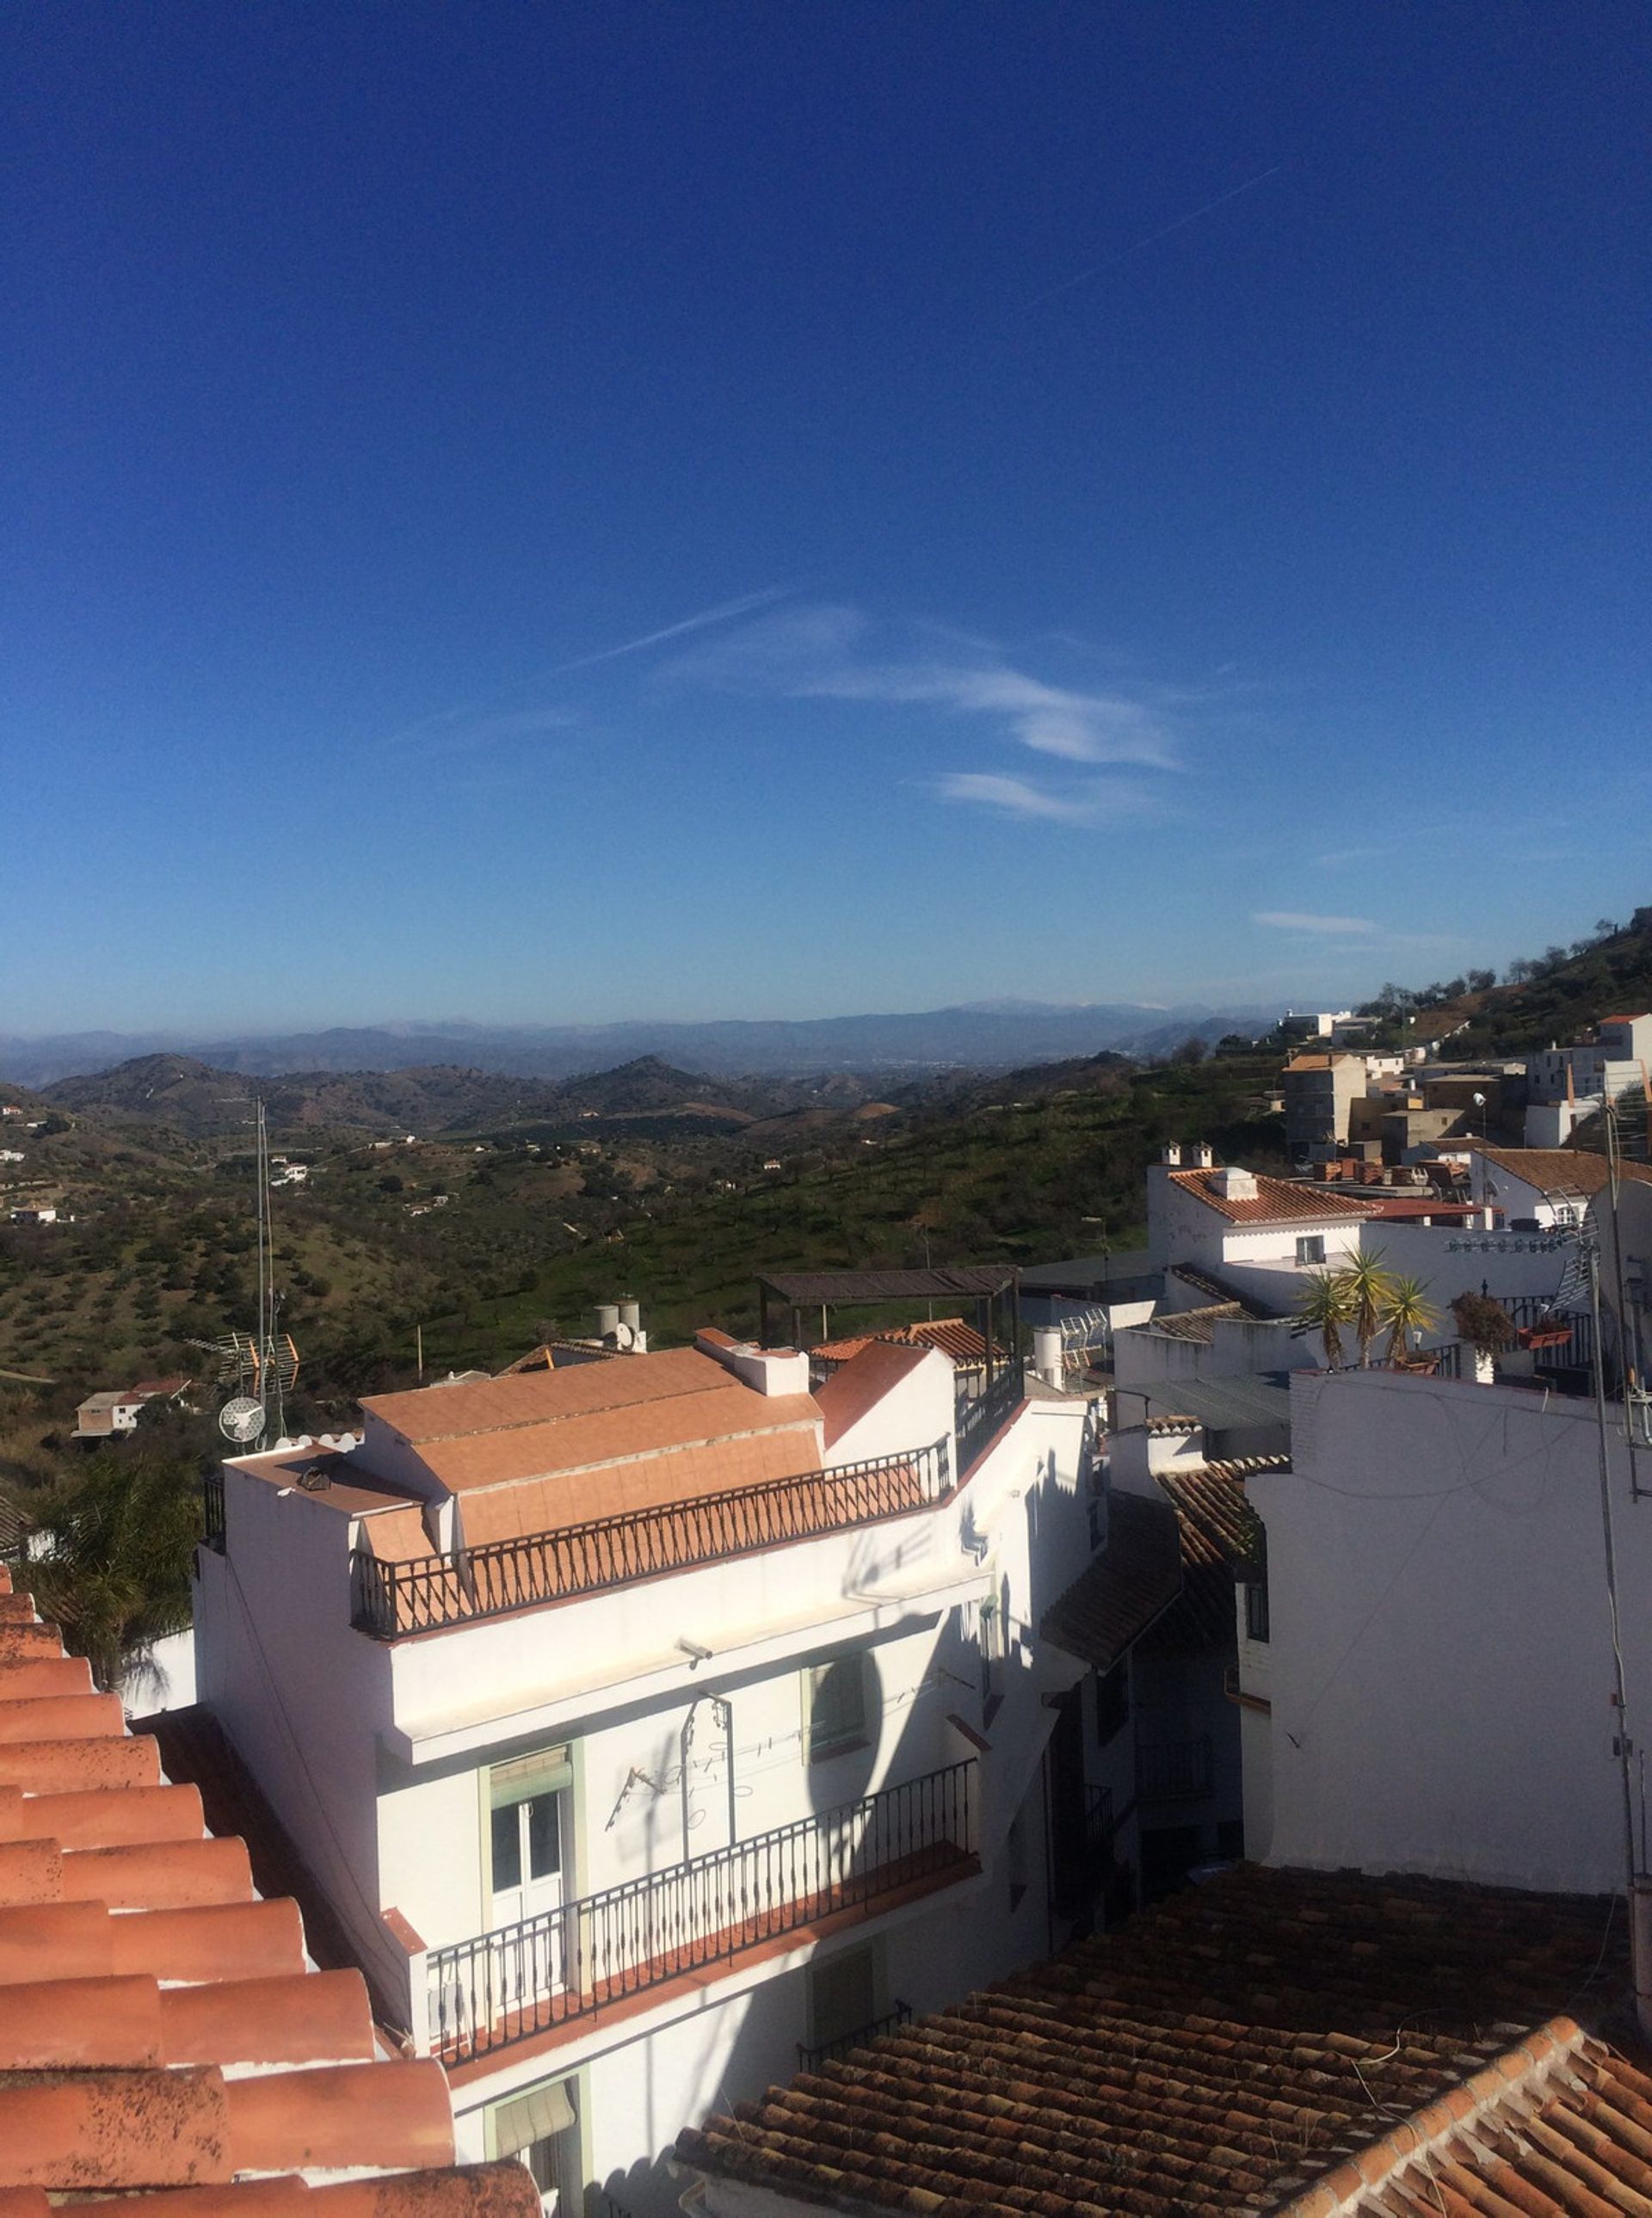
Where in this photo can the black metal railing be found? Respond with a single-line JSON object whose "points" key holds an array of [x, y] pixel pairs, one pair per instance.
{"points": [[212, 1510], [1175, 1770], [977, 1417], [811, 2060], [571, 1962], [1529, 1313], [1083, 1853], [429, 1591]]}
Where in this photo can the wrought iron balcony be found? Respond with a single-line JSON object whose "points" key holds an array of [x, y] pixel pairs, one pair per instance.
{"points": [[212, 1510], [977, 1417], [1175, 1770], [573, 1962], [429, 1591], [811, 2060]]}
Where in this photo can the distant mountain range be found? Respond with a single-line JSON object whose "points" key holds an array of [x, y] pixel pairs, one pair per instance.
{"points": [[202, 1101], [979, 1036]]}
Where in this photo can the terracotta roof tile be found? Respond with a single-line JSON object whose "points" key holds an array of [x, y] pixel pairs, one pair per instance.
{"points": [[956, 1339], [589, 1442], [1275, 1202], [1133, 1581], [1219, 2053], [159, 2029], [1560, 1170], [437, 1413], [1220, 1533], [660, 1482]]}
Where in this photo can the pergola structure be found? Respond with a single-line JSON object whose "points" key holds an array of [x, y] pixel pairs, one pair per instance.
{"points": [[994, 1288]]}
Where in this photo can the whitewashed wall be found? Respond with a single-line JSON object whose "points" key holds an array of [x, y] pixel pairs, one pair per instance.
{"points": [[1439, 1662]]}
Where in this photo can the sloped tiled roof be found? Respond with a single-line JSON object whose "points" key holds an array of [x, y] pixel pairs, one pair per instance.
{"points": [[1562, 2123], [952, 1335], [1218, 2054], [537, 1398], [1217, 1290], [1275, 1201], [159, 2027], [534, 1425], [1219, 1532], [1198, 1326], [1560, 1170], [1132, 1581]]}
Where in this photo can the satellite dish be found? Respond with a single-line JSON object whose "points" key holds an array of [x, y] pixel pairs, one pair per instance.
{"points": [[242, 1421]]}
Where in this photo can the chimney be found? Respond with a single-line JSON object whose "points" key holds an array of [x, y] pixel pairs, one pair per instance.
{"points": [[1201, 1156], [1235, 1184], [1170, 1154], [769, 1370]]}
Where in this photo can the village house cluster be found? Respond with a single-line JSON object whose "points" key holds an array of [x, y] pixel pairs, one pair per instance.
{"points": [[1123, 1741]]}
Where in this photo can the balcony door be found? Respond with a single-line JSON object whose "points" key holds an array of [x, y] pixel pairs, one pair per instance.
{"points": [[530, 1876]]}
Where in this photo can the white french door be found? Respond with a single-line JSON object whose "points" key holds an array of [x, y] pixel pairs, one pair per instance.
{"points": [[529, 1809]]}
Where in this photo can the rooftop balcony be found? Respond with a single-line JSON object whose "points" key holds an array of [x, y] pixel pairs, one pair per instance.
{"points": [[430, 1592], [629, 1944]]}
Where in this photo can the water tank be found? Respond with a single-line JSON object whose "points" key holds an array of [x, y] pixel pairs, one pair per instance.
{"points": [[608, 1320], [631, 1316], [1047, 1353]]}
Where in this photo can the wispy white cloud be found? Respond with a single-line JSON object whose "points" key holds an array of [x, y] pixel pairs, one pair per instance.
{"points": [[468, 735], [822, 653], [1290, 920], [1093, 803]]}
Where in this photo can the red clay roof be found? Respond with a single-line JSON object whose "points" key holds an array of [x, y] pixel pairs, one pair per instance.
{"points": [[159, 2028], [1124, 1589], [1275, 1202], [1219, 2053], [1219, 1533], [537, 1398], [1560, 1170], [952, 1335], [1560, 2122], [862, 1382]]}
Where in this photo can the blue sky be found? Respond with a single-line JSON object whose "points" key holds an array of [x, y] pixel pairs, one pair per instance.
{"points": [[578, 513]]}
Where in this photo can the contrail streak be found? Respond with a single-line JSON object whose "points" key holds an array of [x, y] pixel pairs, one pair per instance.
{"points": [[723, 613], [1153, 238]]}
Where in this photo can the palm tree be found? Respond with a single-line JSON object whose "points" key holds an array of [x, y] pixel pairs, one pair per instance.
{"points": [[112, 1554], [1366, 1286], [1323, 1308], [1406, 1310]]}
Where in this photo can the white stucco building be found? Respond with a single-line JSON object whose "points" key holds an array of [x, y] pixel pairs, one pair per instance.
{"points": [[1254, 1235], [1435, 1694], [653, 1723]]}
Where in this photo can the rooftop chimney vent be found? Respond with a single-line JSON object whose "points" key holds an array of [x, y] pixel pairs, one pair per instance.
{"points": [[1202, 1158], [1235, 1184]]}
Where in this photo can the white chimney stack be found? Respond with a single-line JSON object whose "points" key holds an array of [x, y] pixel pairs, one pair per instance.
{"points": [[1235, 1184], [1171, 1155], [1202, 1157]]}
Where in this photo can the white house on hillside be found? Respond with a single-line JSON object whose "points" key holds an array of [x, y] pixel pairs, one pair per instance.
{"points": [[1250, 1234], [652, 1724]]}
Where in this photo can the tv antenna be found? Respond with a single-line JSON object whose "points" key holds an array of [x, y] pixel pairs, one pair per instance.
{"points": [[261, 1365]]}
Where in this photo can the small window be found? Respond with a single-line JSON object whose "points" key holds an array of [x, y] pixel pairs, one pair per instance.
{"points": [[991, 1644], [835, 1693], [1310, 1248], [1015, 1858], [843, 1996], [1256, 1612], [1112, 1701], [540, 2128]]}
